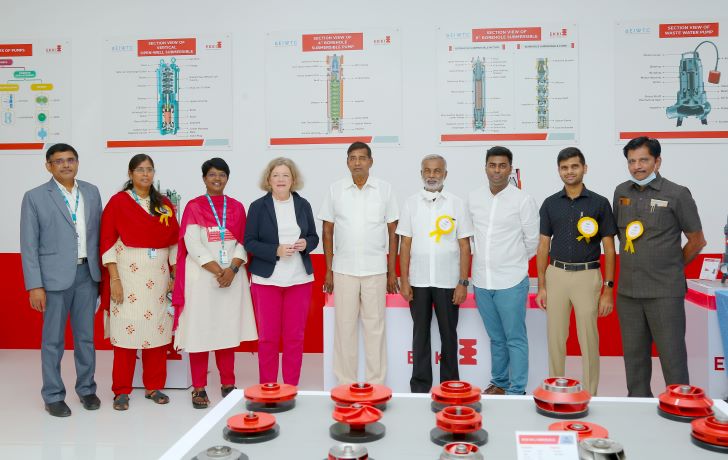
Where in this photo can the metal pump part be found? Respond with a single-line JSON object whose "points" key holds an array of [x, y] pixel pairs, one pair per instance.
{"points": [[691, 98]]}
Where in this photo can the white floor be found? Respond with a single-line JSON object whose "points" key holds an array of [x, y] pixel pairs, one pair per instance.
{"points": [[147, 430]]}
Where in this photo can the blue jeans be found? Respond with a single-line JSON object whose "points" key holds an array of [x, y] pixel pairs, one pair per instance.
{"points": [[504, 315]]}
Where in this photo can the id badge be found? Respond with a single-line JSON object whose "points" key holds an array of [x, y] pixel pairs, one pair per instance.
{"points": [[152, 253], [224, 259]]}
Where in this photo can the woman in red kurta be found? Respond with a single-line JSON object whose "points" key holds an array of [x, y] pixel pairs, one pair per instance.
{"points": [[139, 233]]}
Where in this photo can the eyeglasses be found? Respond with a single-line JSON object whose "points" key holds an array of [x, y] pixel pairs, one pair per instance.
{"points": [[144, 170], [60, 161]]}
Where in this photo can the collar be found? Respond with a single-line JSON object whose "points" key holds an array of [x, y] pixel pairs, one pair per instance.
{"points": [[369, 183], [509, 188], [585, 192], [655, 184], [63, 188], [427, 196]]}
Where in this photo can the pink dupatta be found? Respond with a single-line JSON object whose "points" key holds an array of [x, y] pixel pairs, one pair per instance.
{"points": [[198, 212]]}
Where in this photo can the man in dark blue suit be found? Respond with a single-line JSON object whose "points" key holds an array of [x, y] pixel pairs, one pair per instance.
{"points": [[59, 244]]}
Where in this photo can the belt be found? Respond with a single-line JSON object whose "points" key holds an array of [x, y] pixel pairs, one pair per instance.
{"points": [[575, 267], [81, 261]]}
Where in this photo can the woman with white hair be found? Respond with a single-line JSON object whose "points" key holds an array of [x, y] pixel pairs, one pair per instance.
{"points": [[279, 236]]}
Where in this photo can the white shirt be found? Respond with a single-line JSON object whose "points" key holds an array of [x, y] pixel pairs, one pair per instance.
{"points": [[433, 263], [80, 214], [289, 271], [506, 236], [360, 218]]}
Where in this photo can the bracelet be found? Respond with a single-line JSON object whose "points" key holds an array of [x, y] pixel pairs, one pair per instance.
{"points": [[116, 279]]}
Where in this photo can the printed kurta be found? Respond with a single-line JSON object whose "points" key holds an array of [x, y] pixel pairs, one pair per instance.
{"points": [[143, 319]]}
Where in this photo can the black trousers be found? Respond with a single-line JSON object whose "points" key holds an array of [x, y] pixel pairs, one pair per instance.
{"points": [[643, 321], [447, 321]]}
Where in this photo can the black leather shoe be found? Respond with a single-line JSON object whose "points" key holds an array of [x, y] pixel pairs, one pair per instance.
{"points": [[58, 409], [90, 402]]}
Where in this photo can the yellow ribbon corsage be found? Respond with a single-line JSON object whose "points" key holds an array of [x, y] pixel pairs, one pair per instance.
{"points": [[165, 212], [443, 226], [588, 228], [633, 231]]}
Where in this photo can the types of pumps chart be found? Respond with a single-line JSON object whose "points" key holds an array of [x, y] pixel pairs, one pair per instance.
{"points": [[35, 94], [334, 87], [508, 84], [169, 93], [668, 82]]}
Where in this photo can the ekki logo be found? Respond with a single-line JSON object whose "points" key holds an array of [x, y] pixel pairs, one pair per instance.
{"points": [[214, 46], [383, 41], [467, 352], [55, 50]]}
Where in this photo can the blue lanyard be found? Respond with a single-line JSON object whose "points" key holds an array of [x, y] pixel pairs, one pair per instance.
{"points": [[74, 212], [136, 198], [217, 219]]}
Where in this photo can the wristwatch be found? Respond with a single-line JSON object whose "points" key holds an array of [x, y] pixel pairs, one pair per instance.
{"points": [[465, 283], [235, 268], [609, 284]]}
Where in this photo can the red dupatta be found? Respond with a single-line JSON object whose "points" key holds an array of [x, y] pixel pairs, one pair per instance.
{"points": [[124, 218], [198, 212]]}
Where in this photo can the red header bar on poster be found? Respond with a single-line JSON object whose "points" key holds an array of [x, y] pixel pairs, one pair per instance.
{"points": [[22, 49], [698, 29], [333, 42], [507, 34], [167, 47]]}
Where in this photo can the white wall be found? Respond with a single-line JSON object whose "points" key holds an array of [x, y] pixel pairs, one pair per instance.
{"points": [[87, 22]]}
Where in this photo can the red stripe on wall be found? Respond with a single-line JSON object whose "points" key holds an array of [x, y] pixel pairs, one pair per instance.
{"points": [[22, 146], [21, 325], [675, 134], [318, 140], [493, 137], [156, 143]]}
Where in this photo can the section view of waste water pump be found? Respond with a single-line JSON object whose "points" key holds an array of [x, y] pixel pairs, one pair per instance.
{"points": [[691, 98]]}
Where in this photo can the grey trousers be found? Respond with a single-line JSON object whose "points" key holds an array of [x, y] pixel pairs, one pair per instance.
{"points": [[80, 302], [641, 322]]}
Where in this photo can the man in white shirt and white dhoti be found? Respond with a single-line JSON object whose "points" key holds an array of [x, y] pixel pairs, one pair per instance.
{"points": [[362, 212]]}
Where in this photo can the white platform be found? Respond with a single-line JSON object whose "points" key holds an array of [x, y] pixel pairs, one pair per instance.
{"points": [[147, 430]]}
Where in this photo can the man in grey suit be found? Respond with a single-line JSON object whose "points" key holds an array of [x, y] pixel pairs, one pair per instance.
{"points": [[59, 244]]}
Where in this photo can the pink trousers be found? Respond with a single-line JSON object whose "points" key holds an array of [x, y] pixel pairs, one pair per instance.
{"points": [[225, 360], [281, 313]]}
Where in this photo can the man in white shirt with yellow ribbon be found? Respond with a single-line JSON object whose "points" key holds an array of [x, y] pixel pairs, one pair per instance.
{"points": [[434, 259]]}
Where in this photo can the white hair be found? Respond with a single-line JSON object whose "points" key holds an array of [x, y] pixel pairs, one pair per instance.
{"points": [[434, 156]]}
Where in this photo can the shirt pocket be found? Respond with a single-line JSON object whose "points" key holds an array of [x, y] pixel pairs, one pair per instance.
{"points": [[655, 217], [374, 212]]}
